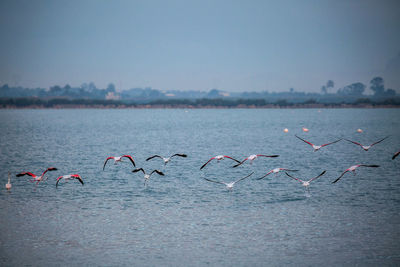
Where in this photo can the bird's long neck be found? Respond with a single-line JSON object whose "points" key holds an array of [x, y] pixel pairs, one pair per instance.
{"points": [[9, 177]]}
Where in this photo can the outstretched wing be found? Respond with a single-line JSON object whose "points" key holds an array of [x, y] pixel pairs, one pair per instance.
{"points": [[232, 159], [79, 179], [25, 173], [364, 165], [49, 169], [206, 163], [312, 179], [379, 141], [158, 172], [130, 158], [179, 155], [353, 142], [244, 177], [58, 180], [268, 173], [330, 143], [304, 140], [106, 162], [214, 181], [297, 179], [152, 157], [395, 155], [140, 169], [267, 156], [240, 162], [340, 176]]}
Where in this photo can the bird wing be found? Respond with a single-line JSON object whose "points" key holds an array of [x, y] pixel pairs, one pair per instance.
{"points": [[179, 155], [58, 180], [353, 142], [288, 170], [331, 143], [268, 156], [106, 162], [206, 163], [340, 176], [141, 169], [232, 159], [364, 165], [395, 155], [244, 178], [312, 179], [158, 172], [240, 162], [214, 181], [25, 173], [49, 169], [304, 140], [79, 179], [268, 173], [152, 157], [294, 177], [379, 141], [130, 158]]}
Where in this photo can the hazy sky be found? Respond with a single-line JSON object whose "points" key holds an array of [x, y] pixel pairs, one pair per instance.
{"points": [[199, 45]]}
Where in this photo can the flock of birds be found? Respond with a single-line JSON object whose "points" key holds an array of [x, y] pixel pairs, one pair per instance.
{"points": [[229, 185]]}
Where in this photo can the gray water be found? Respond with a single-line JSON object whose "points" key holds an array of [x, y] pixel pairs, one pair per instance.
{"points": [[182, 220]]}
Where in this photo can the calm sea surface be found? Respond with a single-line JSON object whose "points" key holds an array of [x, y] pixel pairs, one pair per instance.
{"points": [[182, 220]]}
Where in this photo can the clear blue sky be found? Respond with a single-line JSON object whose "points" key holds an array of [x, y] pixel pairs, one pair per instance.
{"points": [[199, 45]]}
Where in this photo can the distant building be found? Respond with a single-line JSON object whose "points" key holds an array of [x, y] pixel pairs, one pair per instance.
{"points": [[112, 96]]}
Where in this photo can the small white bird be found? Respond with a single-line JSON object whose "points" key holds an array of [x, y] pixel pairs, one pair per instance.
{"points": [[306, 184], [219, 157], [253, 157], [353, 169], [315, 146], [70, 177], [166, 160], [276, 170], [147, 176], [36, 178], [366, 147], [119, 159], [8, 185], [230, 185]]}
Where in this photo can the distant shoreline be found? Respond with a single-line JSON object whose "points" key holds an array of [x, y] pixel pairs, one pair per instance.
{"points": [[168, 106]]}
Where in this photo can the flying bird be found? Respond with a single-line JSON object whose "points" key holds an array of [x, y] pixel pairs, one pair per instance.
{"points": [[8, 185], [230, 185], [219, 157], [147, 176], [306, 184], [353, 169], [119, 159], [315, 146], [366, 147], [70, 177], [276, 170], [166, 160], [253, 157], [36, 178], [395, 155]]}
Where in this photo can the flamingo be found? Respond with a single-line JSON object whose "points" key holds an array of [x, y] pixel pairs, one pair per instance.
{"points": [[8, 185], [353, 169], [119, 159], [147, 176], [230, 185], [395, 155], [166, 160], [366, 147], [253, 157], [306, 184], [276, 170], [219, 157], [70, 177], [315, 146], [36, 178]]}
